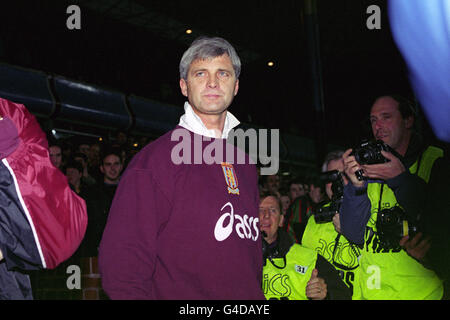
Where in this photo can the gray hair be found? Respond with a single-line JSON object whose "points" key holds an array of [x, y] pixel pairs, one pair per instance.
{"points": [[333, 155], [206, 48]]}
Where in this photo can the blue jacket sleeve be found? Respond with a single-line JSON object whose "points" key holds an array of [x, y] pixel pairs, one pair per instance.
{"points": [[354, 213]]}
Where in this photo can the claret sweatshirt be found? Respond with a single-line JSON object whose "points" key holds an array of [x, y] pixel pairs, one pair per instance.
{"points": [[184, 229]]}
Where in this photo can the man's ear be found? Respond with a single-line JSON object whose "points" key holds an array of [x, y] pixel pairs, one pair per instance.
{"points": [[102, 169], [281, 221], [236, 87], [409, 122], [183, 86]]}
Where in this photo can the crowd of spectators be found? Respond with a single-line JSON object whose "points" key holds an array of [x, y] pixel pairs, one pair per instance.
{"points": [[93, 168]]}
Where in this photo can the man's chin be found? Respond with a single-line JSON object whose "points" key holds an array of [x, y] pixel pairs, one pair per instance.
{"points": [[214, 109]]}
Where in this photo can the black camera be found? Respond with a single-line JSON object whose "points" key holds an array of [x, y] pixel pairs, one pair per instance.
{"points": [[369, 152], [392, 225], [326, 214]]}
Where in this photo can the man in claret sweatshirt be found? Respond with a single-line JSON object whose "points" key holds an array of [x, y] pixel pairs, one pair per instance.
{"points": [[189, 228]]}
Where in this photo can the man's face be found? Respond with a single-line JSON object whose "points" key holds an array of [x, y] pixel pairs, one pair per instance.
{"points": [[55, 155], [296, 190], [84, 148], [273, 183], [315, 193], [73, 176], [211, 85], [111, 168], [270, 217], [81, 160], [388, 125]]}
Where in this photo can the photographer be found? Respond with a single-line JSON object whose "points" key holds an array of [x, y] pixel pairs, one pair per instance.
{"points": [[291, 271], [392, 266], [322, 232]]}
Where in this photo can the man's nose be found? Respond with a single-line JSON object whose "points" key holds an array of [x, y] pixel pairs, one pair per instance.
{"points": [[265, 213], [377, 124], [212, 82]]}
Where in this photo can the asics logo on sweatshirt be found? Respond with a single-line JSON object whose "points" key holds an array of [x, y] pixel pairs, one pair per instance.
{"points": [[246, 227]]}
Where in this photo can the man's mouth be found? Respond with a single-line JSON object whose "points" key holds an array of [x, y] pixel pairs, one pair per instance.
{"points": [[265, 225], [212, 96], [380, 136]]}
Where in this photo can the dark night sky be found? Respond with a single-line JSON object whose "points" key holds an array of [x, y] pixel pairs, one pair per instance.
{"points": [[357, 63]]}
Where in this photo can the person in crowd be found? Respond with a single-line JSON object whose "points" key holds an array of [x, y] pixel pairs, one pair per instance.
{"points": [[111, 168], [316, 192], [292, 271], [121, 139], [94, 161], [297, 188], [172, 231], [55, 153], [395, 191], [98, 200], [271, 183], [86, 177], [322, 232], [74, 173], [67, 150], [84, 148], [301, 209], [42, 221]]}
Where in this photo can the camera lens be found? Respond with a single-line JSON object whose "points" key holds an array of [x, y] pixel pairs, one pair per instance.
{"points": [[364, 156]]}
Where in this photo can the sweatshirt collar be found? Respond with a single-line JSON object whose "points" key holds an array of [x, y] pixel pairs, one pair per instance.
{"points": [[191, 121]]}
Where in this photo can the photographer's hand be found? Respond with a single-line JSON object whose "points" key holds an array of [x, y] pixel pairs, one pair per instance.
{"points": [[386, 170], [350, 167], [337, 223], [416, 247], [316, 289]]}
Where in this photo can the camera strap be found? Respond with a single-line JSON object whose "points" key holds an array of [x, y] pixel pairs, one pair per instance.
{"points": [[381, 196], [274, 264], [352, 247]]}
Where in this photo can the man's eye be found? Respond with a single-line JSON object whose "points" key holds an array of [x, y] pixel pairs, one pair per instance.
{"points": [[199, 74], [223, 74]]}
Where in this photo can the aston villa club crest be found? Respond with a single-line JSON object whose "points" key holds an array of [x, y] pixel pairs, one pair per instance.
{"points": [[230, 178]]}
